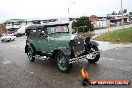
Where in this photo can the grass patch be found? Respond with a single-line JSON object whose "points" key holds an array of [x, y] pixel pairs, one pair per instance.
{"points": [[117, 36]]}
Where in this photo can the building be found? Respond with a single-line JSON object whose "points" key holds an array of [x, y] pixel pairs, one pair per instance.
{"points": [[12, 25], [2, 28], [93, 18], [98, 22], [118, 18]]}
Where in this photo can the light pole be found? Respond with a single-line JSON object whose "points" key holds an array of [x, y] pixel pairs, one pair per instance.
{"points": [[122, 15], [69, 16], [69, 10]]}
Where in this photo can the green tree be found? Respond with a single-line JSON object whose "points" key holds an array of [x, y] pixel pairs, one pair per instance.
{"points": [[113, 13], [83, 24], [125, 11], [119, 13], [130, 13]]}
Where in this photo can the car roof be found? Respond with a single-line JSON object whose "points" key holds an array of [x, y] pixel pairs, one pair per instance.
{"points": [[34, 26]]}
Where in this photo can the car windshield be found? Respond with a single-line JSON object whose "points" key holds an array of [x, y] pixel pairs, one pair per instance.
{"points": [[57, 29]]}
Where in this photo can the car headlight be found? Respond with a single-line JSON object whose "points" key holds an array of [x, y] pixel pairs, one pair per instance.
{"points": [[72, 43], [87, 40]]}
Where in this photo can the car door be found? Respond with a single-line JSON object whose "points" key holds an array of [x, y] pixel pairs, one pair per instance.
{"points": [[52, 38], [43, 42], [32, 38], [57, 38]]}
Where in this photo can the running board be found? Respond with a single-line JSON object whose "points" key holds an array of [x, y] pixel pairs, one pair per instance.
{"points": [[41, 57]]}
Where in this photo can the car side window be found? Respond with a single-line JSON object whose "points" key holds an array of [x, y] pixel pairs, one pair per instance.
{"points": [[57, 29], [51, 30], [42, 33], [65, 29], [32, 33]]}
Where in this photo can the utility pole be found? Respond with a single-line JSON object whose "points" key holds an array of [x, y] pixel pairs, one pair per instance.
{"points": [[122, 15], [69, 9], [69, 15]]}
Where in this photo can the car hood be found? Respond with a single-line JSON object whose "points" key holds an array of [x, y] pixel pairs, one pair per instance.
{"points": [[62, 40], [64, 37]]}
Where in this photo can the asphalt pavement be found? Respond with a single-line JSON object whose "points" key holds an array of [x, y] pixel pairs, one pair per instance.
{"points": [[16, 71]]}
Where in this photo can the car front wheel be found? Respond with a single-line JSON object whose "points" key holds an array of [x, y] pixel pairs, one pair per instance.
{"points": [[63, 62], [94, 54], [13, 39], [10, 40], [30, 54]]}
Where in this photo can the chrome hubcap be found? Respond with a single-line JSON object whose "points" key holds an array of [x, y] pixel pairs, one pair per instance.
{"points": [[61, 61]]}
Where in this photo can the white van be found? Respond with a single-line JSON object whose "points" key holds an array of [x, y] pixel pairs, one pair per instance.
{"points": [[20, 31]]}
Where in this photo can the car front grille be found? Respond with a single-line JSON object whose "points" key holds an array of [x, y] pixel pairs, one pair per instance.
{"points": [[79, 47]]}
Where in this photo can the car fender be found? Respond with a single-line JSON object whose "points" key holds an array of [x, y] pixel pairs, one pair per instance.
{"points": [[65, 50], [94, 43], [27, 45]]}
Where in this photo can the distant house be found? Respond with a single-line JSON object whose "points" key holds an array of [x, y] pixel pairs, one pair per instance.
{"points": [[98, 22], [102, 22], [93, 18], [42, 21], [17, 23], [118, 18], [2, 28], [13, 24]]}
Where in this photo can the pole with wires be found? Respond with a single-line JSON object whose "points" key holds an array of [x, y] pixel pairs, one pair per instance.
{"points": [[122, 15]]}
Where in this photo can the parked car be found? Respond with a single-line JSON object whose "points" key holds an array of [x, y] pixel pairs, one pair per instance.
{"points": [[20, 31], [11, 30], [6, 38], [54, 42], [18, 34]]}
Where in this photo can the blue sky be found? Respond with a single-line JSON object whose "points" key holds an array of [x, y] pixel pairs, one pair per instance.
{"points": [[10, 9]]}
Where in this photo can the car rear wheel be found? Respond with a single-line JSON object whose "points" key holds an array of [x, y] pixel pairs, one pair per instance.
{"points": [[13, 39], [94, 55], [63, 62], [30, 53], [2, 41]]}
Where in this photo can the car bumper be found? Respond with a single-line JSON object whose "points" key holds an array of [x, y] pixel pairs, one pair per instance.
{"points": [[5, 39], [84, 56]]}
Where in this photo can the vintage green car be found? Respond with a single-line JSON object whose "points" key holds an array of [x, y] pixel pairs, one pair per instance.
{"points": [[53, 41]]}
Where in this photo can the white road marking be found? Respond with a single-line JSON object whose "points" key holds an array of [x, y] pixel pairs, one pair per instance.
{"points": [[7, 62], [31, 72], [111, 59], [107, 59]]}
